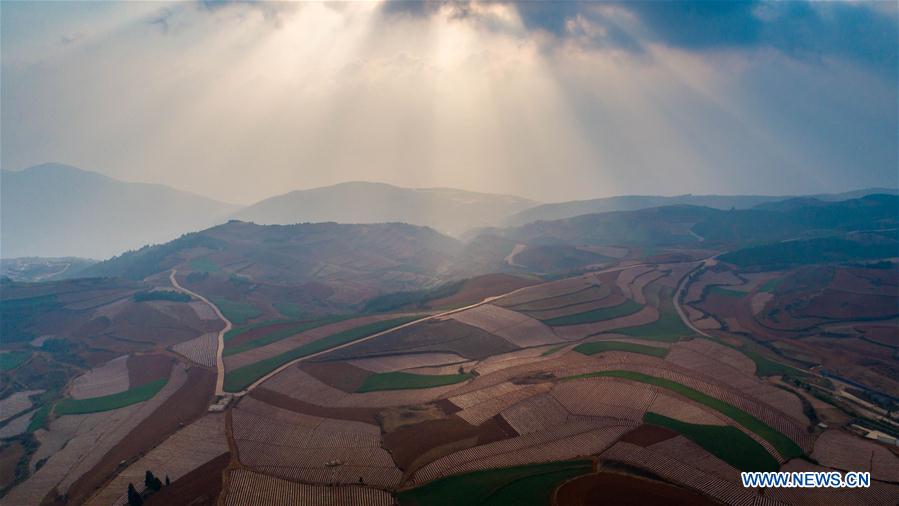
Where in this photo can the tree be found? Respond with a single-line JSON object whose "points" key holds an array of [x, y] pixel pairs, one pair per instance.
{"points": [[151, 482], [134, 499]]}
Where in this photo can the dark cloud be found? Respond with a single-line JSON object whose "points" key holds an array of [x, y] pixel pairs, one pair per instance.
{"points": [[161, 19], [424, 8], [863, 32], [272, 11]]}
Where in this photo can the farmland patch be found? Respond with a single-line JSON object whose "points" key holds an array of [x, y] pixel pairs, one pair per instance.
{"points": [[405, 381]]}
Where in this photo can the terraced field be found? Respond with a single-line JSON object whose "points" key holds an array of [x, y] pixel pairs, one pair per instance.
{"points": [[240, 378]]}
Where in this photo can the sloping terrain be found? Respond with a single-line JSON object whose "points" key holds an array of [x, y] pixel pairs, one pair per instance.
{"points": [[448, 210], [57, 210]]}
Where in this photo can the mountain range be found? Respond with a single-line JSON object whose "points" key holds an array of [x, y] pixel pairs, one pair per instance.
{"points": [[55, 210]]}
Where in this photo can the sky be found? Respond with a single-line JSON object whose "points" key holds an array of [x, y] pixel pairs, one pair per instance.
{"points": [[553, 101]]}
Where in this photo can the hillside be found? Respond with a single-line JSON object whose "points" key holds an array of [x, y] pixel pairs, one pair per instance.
{"points": [[562, 245], [561, 210], [55, 210], [448, 210], [320, 267]]}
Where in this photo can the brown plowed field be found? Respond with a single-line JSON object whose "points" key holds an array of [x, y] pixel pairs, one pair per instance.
{"points": [[143, 369], [340, 375], [646, 435], [258, 332], [9, 458], [888, 335], [200, 487], [277, 399], [183, 407], [410, 442], [843, 305], [623, 490]]}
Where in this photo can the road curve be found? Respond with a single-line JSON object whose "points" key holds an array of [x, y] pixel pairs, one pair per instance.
{"points": [[219, 361], [409, 324], [677, 298]]}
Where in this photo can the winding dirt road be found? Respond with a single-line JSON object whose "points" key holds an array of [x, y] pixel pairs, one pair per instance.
{"points": [[219, 361]]}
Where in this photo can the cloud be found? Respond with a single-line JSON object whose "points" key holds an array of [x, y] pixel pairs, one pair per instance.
{"points": [[862, 32]]}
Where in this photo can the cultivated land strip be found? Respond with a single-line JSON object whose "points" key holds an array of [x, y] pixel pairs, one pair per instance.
{"points": [[444, 314], [219, 361]]}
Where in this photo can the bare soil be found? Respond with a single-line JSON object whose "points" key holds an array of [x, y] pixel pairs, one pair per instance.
{"points": [[200, 487], [183, 407], [277, 399], [143, 369], [479, 288], [9, 458], [646, 435], [340, 375]]}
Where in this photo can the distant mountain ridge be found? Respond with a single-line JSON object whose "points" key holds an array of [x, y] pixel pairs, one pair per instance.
{"points": [[55, 210], [446, 210], [562, 210]]}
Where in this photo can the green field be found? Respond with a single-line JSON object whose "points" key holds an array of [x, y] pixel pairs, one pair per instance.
{"points": [[595, 315], [39, 418], [110, 402], [723, 441], [726, 292], [243, 377], [784, 445], [771, 285], [601, 346], [281, 334], [203, 264], [12, 359], [237, 312], [289, 310], [668, 328], [408, 381], [552, 350], [531, 484], [767, 367]]}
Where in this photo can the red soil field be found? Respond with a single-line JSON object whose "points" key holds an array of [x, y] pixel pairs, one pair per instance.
{"points": [[495, 429], [622, 490], [9, 457], [142, 322], [888, 335], [200, 487], [279, 400], [143, 369], [844, 305], [646, 435], [339, 375], [410, 442], [479, 288], [184, 406], [447, 406]]}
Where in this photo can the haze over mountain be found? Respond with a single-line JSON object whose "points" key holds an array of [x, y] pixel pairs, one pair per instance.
{"points": [[59, 210], [562, 210], [447, 210]]}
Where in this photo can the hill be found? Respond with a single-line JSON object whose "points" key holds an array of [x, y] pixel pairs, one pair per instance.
{"points": [[562, 245], [448, 210], [311, 267], [55, 210], [561, 210]]}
